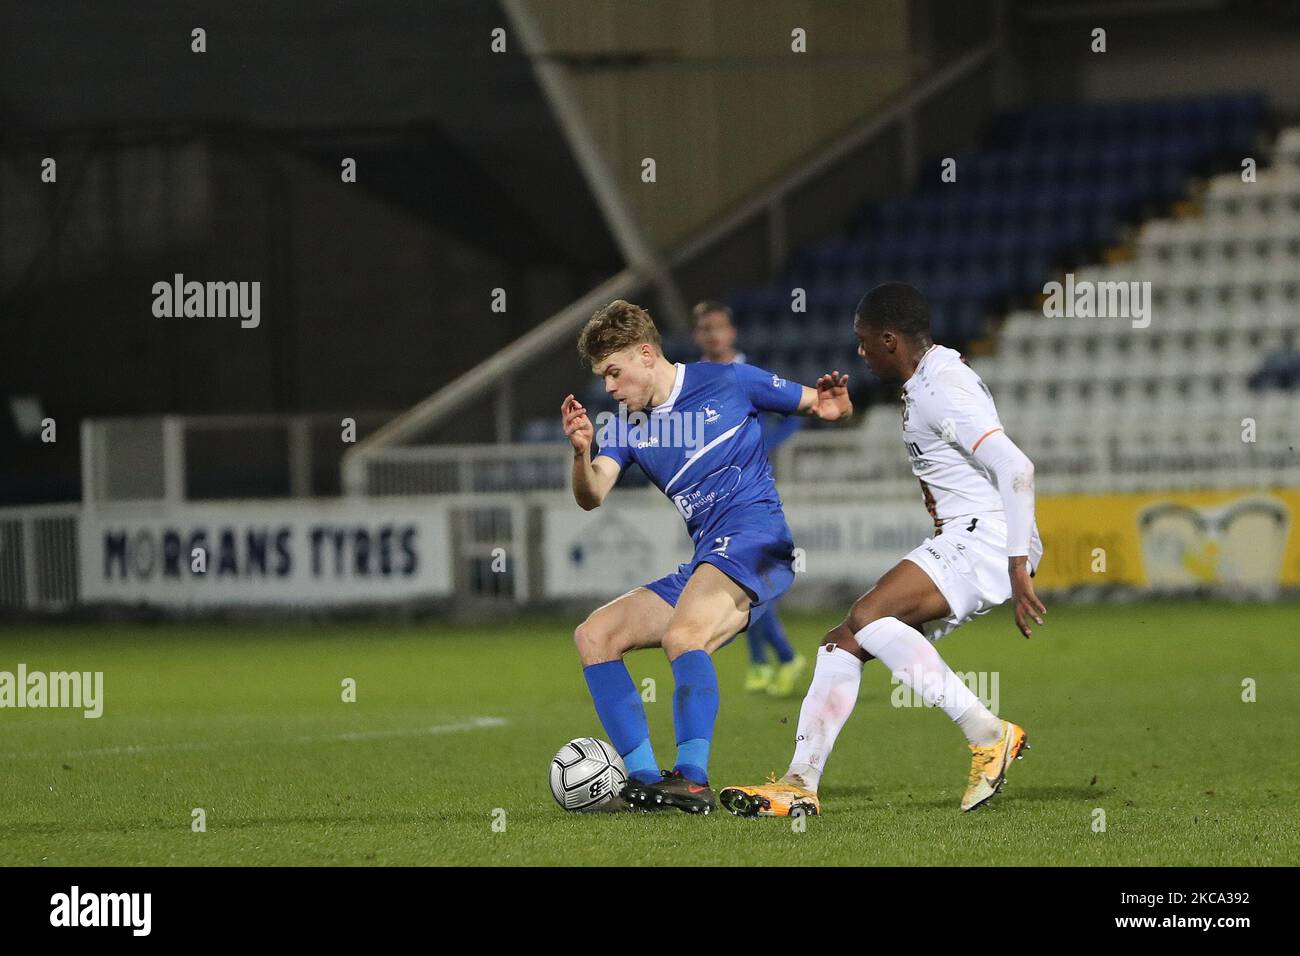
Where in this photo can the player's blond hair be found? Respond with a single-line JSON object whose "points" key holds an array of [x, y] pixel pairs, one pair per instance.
{"points": [[617, 326]]}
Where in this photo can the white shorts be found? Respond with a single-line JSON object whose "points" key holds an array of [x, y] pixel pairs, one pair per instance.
{"points": [[968, 564]]}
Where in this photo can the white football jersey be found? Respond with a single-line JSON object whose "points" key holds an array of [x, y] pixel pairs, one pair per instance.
{"points": [[947, 412]]}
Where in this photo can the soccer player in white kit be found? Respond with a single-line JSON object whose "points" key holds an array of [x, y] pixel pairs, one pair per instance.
{"points": [[979, 489]]}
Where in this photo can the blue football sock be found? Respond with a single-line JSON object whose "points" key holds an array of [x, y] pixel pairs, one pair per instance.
{"points": [[757, 647], [622, 715], [774, 633], [695, 709]]}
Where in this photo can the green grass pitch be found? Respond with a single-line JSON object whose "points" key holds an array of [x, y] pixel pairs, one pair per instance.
{"points": [[1134, 709]]}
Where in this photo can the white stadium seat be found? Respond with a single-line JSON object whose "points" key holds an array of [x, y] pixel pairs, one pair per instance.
{"points": [[1162, 406]]}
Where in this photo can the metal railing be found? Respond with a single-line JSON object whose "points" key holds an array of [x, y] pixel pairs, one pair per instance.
{"points": [[204, 457], [855, 464], [466, 469], [492, 373], [39, 557]]}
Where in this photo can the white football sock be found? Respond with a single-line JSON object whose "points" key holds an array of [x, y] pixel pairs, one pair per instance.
{"points": [[914, 661], [827, 705]]}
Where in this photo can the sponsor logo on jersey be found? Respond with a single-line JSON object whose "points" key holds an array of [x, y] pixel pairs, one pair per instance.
{"points": [[704, 494]]}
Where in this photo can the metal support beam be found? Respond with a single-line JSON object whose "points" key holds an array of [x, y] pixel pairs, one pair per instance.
{"points": [[173, 456], [90, 463], [31, 581], [638, 251], [488, 374], [504, 411], [300, 457]]}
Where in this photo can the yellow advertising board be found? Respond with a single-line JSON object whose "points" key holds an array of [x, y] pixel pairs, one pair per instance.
{"points": [[1175, 540]]}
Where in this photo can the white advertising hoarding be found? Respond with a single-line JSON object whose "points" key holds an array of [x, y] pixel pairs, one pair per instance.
{"points": [[611, 549], [856, 543], [604, 552], [291, 553]]}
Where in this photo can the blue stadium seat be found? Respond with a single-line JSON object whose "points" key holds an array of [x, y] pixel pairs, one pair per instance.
{"points": [[1057, 182], [1281, 370]]}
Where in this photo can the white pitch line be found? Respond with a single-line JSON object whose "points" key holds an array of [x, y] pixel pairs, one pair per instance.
{"points": [[474, 723]]}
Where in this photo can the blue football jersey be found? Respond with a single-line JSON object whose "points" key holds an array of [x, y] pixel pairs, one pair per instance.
{"points": [[777, 429], [703, 447]]}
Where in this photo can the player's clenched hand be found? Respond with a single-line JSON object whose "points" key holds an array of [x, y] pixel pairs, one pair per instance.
{"points": [[577, 426], [1023, 598], [833, 397]]}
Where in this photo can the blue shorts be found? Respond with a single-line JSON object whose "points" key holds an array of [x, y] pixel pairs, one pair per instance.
{"points": [[759, 559]]}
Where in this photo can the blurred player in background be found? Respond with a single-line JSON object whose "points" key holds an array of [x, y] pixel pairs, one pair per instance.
{"points": [[715, 335], [721, 484], [979, 489]]}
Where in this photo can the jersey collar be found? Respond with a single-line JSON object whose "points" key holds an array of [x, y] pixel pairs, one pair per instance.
{"points": [[919, 365], [667, 405]]}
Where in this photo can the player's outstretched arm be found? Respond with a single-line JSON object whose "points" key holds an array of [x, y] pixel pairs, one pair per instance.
{"points": [[828, 400], [592, 480]]}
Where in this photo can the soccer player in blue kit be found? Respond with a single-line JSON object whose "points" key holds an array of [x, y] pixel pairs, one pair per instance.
{"points": [[694, 430]]}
